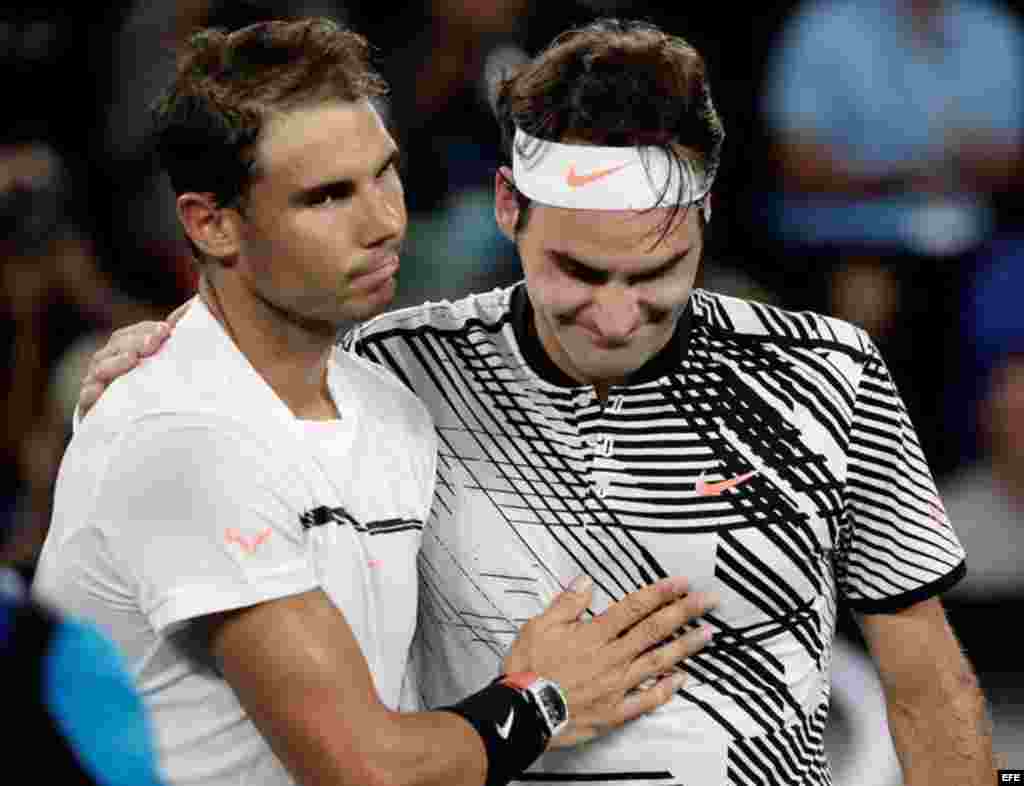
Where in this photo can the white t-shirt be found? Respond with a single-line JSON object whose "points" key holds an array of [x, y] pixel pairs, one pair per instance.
{"points": [[191, 489]]}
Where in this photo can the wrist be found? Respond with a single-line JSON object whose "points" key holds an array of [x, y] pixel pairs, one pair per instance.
{"points": [[515, 716]]}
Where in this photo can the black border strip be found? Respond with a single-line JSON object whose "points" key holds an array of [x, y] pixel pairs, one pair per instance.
{"points": [[900, 602]]}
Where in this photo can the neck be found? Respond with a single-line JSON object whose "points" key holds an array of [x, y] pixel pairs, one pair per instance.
{"points": [[290, 356], [550, 346]]}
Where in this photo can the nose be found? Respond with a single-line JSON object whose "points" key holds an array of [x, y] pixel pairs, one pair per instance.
{"points": [[384, 216], [618, 312]]}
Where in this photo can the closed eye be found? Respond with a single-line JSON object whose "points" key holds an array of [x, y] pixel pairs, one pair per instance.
{"points": [[659, 271], [573, 268], [651, 275], [583, 273]]}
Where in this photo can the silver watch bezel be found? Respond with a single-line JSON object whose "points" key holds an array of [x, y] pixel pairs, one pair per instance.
{"points": [[535, 689]]}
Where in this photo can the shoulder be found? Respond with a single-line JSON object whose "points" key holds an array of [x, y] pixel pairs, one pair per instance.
{"points": [[391, 400], [750, 321], [181, 453], [487, 310], [198, 369]]}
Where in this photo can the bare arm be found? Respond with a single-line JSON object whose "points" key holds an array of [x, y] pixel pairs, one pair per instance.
{"points": [[937, 713], [298, 671]]}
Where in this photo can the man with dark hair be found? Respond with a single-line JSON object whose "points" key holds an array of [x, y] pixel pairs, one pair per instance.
{"points": [[243, 516], [605, 417]]}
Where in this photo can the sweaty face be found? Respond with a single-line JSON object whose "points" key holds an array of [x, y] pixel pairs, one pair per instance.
{"points": [[605, 297], [325, 215]]}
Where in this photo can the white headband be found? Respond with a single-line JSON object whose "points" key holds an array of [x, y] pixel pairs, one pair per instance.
{"points": [[590, 177]]}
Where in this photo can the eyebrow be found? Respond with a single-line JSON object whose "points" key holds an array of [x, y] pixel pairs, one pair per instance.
{"points": [[563, 258], [342, 187]]}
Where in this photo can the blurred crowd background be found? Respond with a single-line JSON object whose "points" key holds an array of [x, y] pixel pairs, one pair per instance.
{"points": [[873, 170]]}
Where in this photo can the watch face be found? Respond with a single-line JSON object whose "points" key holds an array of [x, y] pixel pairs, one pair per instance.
{"points": [[554, 706]]}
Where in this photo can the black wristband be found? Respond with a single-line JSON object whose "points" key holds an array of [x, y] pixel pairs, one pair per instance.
{"points": [[513, 731]]}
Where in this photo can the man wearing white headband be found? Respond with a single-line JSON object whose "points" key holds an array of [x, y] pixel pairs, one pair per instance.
{"points": [[597, 177], [604, 416]]}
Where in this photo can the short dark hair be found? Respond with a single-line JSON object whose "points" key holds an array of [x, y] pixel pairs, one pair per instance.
{"points": [[618, 83], [227, 83]]}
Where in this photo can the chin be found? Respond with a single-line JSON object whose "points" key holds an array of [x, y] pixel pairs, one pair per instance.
{"points": [[369, 305], [608, 374]]}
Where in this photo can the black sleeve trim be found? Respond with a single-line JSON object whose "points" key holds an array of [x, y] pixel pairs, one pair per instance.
{"points": [[897, 603]]}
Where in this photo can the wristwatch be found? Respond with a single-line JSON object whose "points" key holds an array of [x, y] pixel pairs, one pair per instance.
{"points": [[545, 696]]}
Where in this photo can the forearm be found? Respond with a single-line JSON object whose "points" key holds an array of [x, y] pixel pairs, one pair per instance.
{"points": [[428, 748], [943, 734], [324, 746]]}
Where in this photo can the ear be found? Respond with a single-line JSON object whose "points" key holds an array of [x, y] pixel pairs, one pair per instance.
{"points": [[214, 230], [506, 205]]}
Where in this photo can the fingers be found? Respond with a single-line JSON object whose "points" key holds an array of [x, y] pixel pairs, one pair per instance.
{"points": [[568, 606], [665, 659], [665, 622], [178, 313], [141, 340], [100, 375], [122, 352], [641, 702], [110, 368], [637, 605], [88, 396]]}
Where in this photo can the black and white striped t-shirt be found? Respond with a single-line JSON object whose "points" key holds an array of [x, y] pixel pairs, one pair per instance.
{"points": [[763, 454]]}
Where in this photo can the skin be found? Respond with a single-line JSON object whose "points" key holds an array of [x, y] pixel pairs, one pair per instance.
{"points": [[1003, 421], [936, 710], [605, 296], [605, 301], [313, 245]]}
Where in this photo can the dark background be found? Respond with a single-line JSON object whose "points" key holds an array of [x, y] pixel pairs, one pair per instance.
{"points": [[76, 81]]}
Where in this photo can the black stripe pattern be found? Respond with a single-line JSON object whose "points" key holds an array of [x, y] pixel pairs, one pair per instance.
{"points": [[321, 515], [774, 462]]}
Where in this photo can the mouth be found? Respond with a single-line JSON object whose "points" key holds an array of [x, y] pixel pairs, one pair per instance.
{"points": [[378, 272], [604, 343]]}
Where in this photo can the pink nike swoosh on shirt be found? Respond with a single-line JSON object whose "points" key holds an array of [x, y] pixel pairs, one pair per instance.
{"points": [[705, 489]]}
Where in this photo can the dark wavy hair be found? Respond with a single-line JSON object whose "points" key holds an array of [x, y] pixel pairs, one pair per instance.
{"points": [[209, 119], [617, 83]]}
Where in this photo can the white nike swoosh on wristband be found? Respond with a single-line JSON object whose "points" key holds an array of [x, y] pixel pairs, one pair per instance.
{"points": [[505, 728]]}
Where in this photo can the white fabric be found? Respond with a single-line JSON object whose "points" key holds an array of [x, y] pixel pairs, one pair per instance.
{"points": [[595, 177], [541, 482], [184, 493]]}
